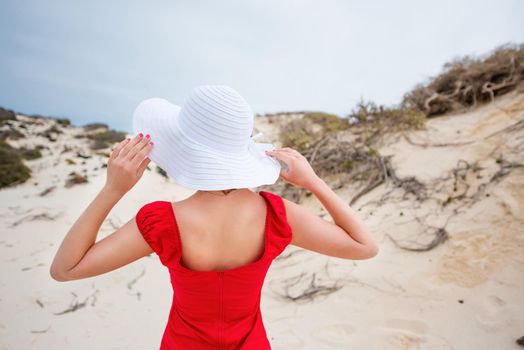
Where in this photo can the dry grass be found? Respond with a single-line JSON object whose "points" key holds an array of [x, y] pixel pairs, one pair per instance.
{"points": [[468, 81]]}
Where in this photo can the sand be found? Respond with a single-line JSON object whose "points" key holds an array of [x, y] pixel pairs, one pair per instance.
{"points": [[466, 293]]}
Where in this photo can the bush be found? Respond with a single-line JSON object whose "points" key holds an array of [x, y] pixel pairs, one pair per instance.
{"points": [[51, 133], [392, 118], [297, 134], [105, 139], [301, 133], [63, 121], [11, 133], [30, 154], [6, 114], [329, 122], [467, 81], [12, 168], [75, 179], [94, 126]]}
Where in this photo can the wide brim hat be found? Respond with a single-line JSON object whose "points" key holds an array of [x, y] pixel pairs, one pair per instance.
{"points": [[207, 143]]}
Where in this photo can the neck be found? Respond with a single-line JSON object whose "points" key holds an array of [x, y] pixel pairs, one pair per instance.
{"points": [[221, 192]]}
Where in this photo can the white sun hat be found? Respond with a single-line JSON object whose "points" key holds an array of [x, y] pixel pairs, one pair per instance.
{"points": [[207, 144]]}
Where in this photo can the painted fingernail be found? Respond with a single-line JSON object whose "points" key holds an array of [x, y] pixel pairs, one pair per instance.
{"points": [[147, 136], [128, 138], [140, 135], [151, 143]]}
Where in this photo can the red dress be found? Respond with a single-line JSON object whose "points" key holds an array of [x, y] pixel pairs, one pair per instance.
{"points": [[214, 309]]}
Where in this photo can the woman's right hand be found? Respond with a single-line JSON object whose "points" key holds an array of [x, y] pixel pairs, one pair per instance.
{"points": [[299, 172]]}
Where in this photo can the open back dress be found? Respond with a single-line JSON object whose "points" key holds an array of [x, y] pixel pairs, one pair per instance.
{"points": [[215, 309]]}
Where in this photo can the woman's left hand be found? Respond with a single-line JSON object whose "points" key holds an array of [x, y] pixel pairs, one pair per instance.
{"points": [[127, 163]]}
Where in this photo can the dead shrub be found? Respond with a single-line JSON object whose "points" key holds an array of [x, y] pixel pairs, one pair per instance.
{"points": [[467, 81]]}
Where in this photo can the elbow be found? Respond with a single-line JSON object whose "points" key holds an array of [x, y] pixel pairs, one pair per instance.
{"points": [[57, 275], [373, 251], [362, 252], [368, 252]]}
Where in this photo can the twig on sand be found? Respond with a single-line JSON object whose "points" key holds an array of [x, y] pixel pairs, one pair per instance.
{"points": [[41, 331], [42, 216], [312, 291], [75, 305], [446, 144], [133, 281], [440, 236]]}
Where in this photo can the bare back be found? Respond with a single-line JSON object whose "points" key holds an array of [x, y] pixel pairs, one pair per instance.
{"points": [[221, 232]]}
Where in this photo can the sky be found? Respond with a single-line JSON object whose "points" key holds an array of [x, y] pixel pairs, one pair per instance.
{"points": [[94, 61]]}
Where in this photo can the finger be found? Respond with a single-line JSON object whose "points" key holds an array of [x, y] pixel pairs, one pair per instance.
{"points": [[292, 151], [130, 145], [137, 148], [143, 166], [141, 155], [284, 156], [282, 151], [116, 150], [289, 151]]}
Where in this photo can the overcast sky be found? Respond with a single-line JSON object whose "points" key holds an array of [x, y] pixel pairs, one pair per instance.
{"points": [[96, 60]]}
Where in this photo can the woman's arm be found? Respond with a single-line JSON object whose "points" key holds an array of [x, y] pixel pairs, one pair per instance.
{"points": [[79, 256], [347, 238], [343, 215]]}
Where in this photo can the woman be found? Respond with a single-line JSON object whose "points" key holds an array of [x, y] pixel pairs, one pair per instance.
{"points": [[219, 242]]}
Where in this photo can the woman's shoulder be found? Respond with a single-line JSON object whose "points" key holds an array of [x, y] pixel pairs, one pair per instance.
{"points": [[276, 201], [280, 230], [151, 213], [154, 222], [155, 207]]}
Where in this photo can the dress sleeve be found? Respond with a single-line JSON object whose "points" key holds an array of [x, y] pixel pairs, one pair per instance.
{"points": [[280, 230], [153, 222]]}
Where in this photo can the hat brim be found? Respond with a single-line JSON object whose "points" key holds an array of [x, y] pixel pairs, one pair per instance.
{"points": [[195, 165]]}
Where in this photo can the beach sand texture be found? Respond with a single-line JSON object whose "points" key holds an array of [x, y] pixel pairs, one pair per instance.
{"points": [[466, 293]]}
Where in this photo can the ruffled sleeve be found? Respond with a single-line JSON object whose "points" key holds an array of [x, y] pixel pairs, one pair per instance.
{"points": [[153, 221], [280, 233]]}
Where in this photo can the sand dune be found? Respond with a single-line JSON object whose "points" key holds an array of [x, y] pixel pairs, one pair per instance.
{"points": [[466, 293]]}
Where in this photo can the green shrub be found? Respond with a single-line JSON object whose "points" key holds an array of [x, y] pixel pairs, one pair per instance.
{"points": [[63, 121], [372, 152], [297, 134], [12, 168], [75, 179], [53, 129], [94, 126], [30, 154], [11, 133], [303, 132], [329, 122], [106, 139], [6, 114], [414, 118], [347, 164], [391, 118], [50, 133]]}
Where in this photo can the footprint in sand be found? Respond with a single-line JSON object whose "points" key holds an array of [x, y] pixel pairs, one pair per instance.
{"points": [[473, 256], [492, 314], [335, 335], [405, 334], [409, 325]]}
